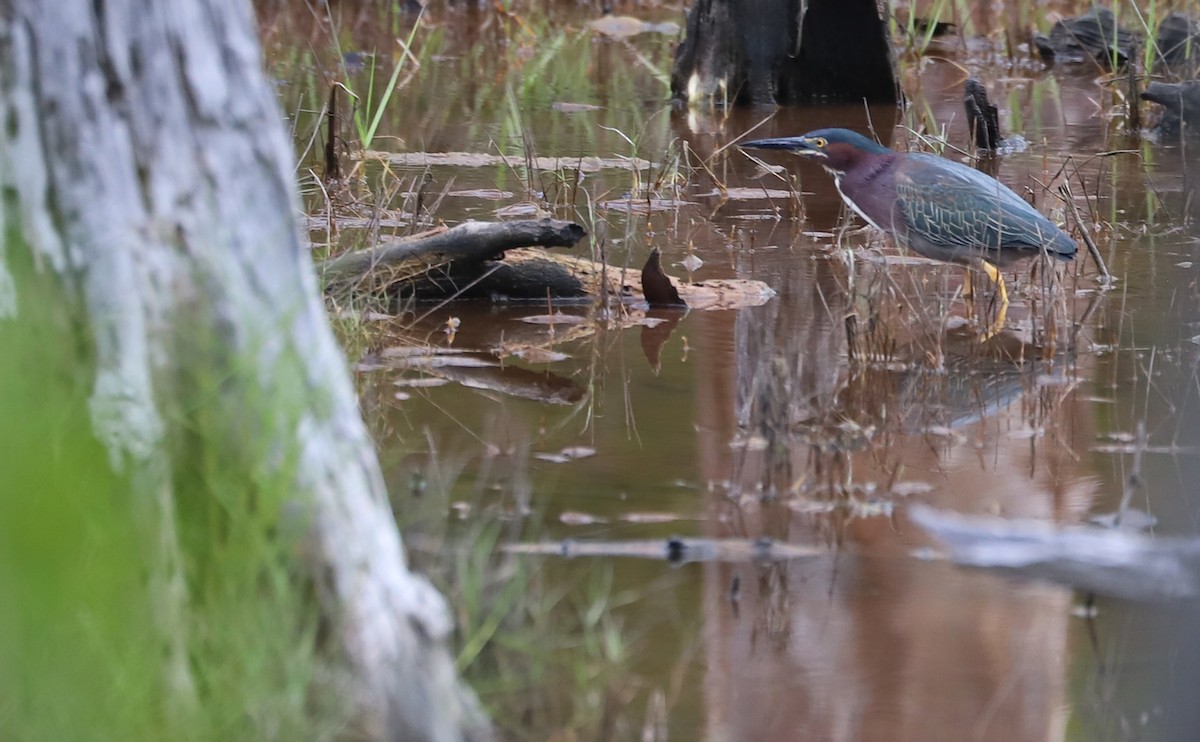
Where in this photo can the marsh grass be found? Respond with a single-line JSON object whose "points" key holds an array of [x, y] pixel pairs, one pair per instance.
{"points": [[89, 622]]}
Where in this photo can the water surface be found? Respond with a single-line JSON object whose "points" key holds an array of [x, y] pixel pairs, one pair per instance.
{"points": [[814, 419]]}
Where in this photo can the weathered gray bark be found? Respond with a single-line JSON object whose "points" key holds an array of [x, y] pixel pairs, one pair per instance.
{"points": [[143, 159]]}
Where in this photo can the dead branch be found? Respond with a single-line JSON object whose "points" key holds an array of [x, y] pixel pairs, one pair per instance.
{"points": [[469, 242]]}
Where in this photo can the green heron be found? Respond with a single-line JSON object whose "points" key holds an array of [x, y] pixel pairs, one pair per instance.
{"points": [[935, 207]]}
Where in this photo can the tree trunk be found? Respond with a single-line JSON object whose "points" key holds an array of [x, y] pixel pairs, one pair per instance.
{"points": [[144, 162], [766, 52]]}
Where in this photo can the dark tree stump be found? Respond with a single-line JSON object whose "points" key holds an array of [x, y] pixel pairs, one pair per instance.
{"points": [[764, 52], [1181, 106], [983, 118], [1092, 37]]}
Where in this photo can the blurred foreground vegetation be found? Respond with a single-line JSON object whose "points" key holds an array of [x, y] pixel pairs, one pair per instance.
{"points": [[84, 626]]}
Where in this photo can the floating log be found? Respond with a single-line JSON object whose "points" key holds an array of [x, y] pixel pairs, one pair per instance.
{"points": [[427, 256], [493, 259]]}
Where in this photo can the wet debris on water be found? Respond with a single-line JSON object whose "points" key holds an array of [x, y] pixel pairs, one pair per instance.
{"points": [[532, 354], [473, 369], [556, 318], [408, 357], [565, 107], [575, 518], [624, 26], [675, 550], [1092, 37], [483, 159], [643, 205], [484, 194], [747, 193], [570, 453]]}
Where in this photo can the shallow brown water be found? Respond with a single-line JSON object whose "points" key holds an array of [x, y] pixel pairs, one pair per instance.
{"points": [[759, 423]]}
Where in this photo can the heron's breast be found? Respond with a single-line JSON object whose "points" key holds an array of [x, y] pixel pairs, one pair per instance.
{"points": [[871, 194]]}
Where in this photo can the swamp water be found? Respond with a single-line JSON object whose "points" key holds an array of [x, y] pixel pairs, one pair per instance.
{"points": [[814, 420]]}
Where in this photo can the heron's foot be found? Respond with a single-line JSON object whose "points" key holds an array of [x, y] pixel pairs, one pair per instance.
{"points": [[997, 324]]}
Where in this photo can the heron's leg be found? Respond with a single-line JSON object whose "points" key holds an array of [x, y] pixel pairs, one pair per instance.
{"points": [[968, 286], [997, 278]]}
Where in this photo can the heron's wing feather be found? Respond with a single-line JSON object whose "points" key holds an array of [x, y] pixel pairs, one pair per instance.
{"points": [[952, 205]]}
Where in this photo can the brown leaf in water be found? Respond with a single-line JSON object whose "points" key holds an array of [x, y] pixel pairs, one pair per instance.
{"points": [[656, 286]]}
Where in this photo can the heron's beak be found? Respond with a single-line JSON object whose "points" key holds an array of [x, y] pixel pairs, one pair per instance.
{"points": [[795, 145]]}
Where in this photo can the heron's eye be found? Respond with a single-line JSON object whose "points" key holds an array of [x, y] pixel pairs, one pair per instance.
{"points": [[820, 142]]}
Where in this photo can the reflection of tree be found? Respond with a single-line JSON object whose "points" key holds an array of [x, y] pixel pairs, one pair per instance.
{"points": [[878, 645]]}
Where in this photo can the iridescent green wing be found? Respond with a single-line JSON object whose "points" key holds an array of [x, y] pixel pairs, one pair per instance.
{"points": [[951, 205]]}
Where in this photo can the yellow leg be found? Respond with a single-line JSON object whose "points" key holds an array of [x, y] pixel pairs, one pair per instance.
{"points": [[968, 286], [997, 278]]}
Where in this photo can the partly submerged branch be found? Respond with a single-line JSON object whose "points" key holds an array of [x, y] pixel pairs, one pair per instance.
{"points": [[1111, 562], [470, 242]]}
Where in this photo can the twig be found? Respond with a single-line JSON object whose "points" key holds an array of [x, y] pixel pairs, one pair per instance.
{"points": [[1105, 276]]}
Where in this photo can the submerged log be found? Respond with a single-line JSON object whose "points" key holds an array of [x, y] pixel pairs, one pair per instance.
{"points": [[763, 52], [442, 262], [495, 260]]}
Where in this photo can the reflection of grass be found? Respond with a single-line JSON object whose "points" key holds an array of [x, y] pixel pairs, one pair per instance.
{"points": [[540, 642], [96, 640], [544, 655]]}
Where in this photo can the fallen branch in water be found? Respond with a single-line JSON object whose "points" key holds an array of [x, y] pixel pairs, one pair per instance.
{"points": [[1117, 563], [470, 242]]}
